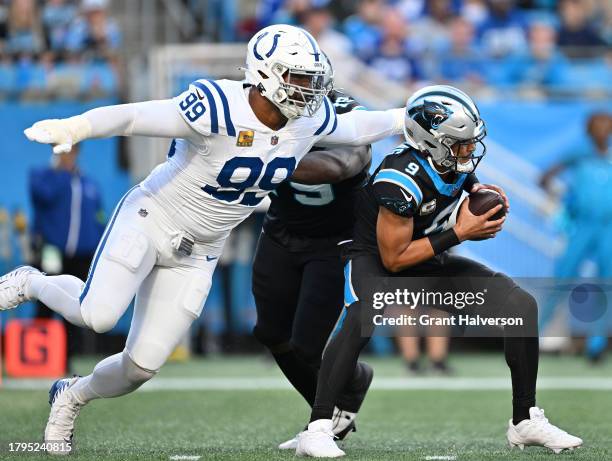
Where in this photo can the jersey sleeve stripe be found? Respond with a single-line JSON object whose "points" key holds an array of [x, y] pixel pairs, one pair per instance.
{"points": [[214, 120], [231, 131], [402, 180], [326, 121], [335, 120]]}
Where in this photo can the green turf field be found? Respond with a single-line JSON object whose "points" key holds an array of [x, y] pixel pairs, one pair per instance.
{"points": [[246, 424]]}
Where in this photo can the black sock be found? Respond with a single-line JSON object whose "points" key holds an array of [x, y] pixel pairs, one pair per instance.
{"points": [[353, 394], [519, 414], [521, 347], [339, 365], [522, 357]]}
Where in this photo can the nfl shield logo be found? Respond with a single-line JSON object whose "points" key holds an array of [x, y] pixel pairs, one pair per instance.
{"points": [[274, 140]]}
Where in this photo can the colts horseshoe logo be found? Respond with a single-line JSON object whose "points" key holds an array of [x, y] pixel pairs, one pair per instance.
{"points": [[269, 53]]}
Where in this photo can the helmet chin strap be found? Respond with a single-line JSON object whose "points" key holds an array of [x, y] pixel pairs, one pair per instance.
{"points": [[437, 167], [286, 111]]}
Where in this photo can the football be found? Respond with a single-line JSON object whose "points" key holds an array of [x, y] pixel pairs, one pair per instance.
{"points": [[483, 200]]}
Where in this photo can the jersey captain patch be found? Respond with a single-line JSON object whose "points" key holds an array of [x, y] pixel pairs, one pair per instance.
{"points": [[245, 138]]}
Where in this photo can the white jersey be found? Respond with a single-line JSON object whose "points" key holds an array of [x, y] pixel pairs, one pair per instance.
{"points": [[213, 182]]}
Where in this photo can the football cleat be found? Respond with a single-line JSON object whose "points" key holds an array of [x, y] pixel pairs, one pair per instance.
{"points": [[290, 444], [441, 368], [65, 409], [538, 431], [318, 441], [13, 287], [343, 423]]}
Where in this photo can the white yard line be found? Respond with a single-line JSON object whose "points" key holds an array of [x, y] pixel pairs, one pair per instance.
{"points": [[249, 384]]}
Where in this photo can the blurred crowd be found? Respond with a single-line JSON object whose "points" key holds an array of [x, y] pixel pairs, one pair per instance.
{"points": [[56, 48], [562, 45]]}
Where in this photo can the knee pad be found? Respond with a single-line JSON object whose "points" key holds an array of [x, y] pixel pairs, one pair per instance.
{"points": [[522, 303], [133, 372], [99, 317], [524, 306], [127, 247]]}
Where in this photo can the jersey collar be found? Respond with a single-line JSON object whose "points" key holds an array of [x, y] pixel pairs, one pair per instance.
{"points": [[444, 188]]}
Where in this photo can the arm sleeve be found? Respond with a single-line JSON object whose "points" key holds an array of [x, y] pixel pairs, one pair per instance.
{"points": [[397, 192], [361, 127], [151, 118]]}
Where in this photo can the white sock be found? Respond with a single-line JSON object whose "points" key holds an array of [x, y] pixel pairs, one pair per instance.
{"points": [[114, 376], [60, 293]]}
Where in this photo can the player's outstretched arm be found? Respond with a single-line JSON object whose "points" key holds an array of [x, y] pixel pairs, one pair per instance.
{"points": [[361, 127], [332, 165], [151, 118]]}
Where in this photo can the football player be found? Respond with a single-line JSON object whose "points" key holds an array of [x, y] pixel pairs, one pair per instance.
{"points": [[297, 272], [403, 230], [234, 142]]}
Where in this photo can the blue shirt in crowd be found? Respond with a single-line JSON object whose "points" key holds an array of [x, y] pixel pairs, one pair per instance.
{"points": [[67, 210]]}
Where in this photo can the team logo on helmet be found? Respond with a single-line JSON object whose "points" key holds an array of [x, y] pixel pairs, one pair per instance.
{"points": [[430, 115]]}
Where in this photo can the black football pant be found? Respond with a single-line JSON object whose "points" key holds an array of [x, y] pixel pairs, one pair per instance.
{"points": [[299, 298], [352, 334]]}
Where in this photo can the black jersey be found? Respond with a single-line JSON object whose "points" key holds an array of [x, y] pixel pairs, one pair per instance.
{"points": [[407, 184], [309, 216]]}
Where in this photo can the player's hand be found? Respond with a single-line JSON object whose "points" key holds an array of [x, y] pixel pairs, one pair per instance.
{"points": [[472, 227], [497, 189], [61, 133]]}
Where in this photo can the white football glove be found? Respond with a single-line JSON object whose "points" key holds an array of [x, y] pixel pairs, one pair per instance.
{"points": [[62, 133]]}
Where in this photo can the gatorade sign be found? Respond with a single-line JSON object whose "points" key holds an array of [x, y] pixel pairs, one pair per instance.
{"points": [[35, 348]]}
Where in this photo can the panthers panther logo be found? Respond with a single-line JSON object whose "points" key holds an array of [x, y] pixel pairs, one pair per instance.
{"points": [[430, 115]]}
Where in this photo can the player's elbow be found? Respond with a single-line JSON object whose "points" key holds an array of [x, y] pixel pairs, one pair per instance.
{"points": [[335, 173], [390, 262]]}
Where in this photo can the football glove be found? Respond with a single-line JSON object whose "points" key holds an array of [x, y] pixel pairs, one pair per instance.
{"points": [[62, 133]]}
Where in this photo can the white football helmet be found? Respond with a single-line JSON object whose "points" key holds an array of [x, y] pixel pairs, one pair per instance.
{"points": [[287, 66], [437, 118]]}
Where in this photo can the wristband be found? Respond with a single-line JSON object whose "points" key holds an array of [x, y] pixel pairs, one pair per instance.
{"points": [[443, 241], [79, 127]]}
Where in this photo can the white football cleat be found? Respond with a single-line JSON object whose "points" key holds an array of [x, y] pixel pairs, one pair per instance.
{"points": [[318, 441], [343, 424], [538, 431], [290, 444], [64, 411], [13, 287]]}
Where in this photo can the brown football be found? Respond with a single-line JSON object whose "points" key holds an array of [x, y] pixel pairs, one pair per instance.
{"points": [[483, 200]]}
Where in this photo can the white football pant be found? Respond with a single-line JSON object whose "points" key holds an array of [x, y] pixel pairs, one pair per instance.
{"points": [[135, 257]]}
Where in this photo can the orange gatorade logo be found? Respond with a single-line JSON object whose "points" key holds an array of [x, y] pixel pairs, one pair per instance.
{"points": [[35, 348]]}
